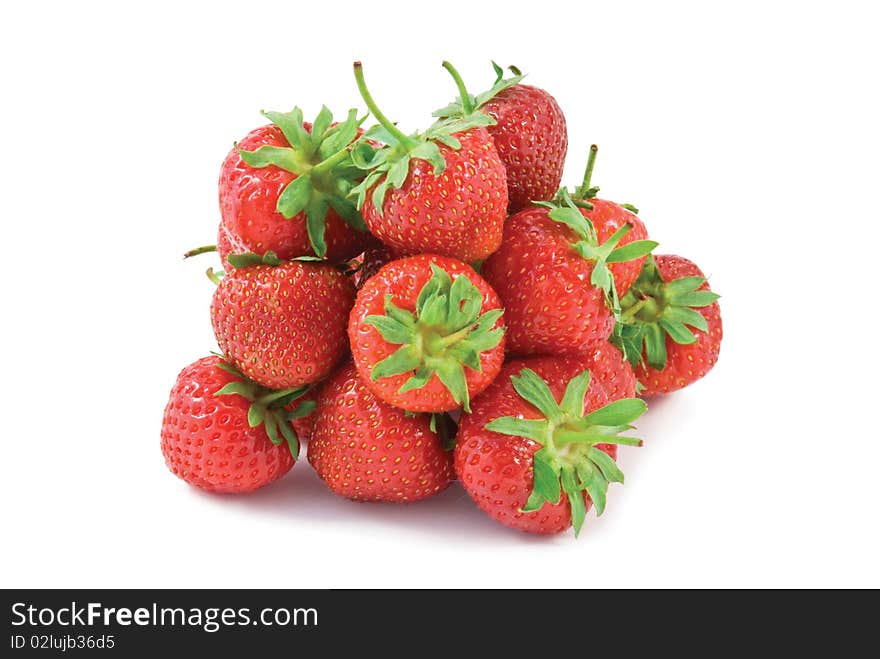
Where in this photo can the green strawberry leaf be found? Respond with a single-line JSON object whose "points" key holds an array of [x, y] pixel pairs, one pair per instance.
{"points": [[534, 390], [446, 334], [511, 425], [250, 259], [573, 489], [573, 400], [546, 486], [654, 310], [295, 197], [316, 215], [403, 360], [323, 164], [465, 105], [568, 460], [290, 437], [387, 167], [268, 406]]}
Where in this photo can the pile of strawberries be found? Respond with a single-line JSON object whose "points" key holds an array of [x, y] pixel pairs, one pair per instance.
{"points": [[430, 307]]}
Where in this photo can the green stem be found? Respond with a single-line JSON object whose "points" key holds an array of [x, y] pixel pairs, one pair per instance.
{"points": [[588, 174], [630, 313], [214, 276], [200, 250], [466, 103], [455, 337], [326, 165], [371, 104]]}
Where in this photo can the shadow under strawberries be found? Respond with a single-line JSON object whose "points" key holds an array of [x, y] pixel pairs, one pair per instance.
{"points": [[301, 496]]}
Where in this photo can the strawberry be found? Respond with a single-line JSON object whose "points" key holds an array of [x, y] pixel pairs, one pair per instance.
{"points": [[610, 368], [670, 327], [441, 192], [366, 450], [529, 133], [542, 429], [426, 333], [561, 267], [282, 323], [223, 433], [283, 189]]}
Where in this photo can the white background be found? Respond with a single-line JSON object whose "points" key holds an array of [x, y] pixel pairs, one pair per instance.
{"points": [[748, 137]]}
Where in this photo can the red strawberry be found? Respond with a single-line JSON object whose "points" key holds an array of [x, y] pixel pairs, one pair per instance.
{"points": [[282, 323], [670, 326], [541, 431], [442, 192], [609, 368], [224, 433], [426, 333], [283, 189], [561, 267], [366, 450], [529, 133]]}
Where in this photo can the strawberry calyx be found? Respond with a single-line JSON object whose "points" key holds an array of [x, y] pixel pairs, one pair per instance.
{"points": [[446, 333], [465, 104], [249, 259], [568, 460], [654, 309], [387, 165], [321, 160], [269, 407], [566, 209], [445, 427]]}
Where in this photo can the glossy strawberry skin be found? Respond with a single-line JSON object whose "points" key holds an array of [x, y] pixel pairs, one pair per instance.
{"points": [[608, 366], [685, 364], [206, 439], [283, 326], [366, 450], [403, 279], [249, 221], [459, 213], [550, 306], [532, 140], [496, 470]]}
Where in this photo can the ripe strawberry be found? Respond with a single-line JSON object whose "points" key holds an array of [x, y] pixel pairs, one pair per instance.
{"points": [[426, 333], [529, 133], [283, 189], [670, 294], [282, 323], [543, 429], [610, 369], [560, 268], [224, 433], [366, 450], [441, 192]]}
